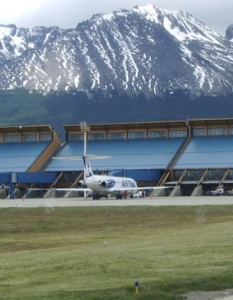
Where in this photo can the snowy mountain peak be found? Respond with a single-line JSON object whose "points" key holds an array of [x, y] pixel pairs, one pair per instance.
{"points": [[181, 24], [146, 50]]}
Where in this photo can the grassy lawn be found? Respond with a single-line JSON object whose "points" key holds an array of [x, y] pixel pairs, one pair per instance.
{"points": [[99, 253]]}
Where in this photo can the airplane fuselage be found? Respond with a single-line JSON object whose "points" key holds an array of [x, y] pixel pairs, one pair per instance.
{"points": [[110, 184], [102, 185]]}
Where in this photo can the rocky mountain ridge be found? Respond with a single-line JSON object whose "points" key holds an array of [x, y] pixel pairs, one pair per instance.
{"points": [[146, 50]]}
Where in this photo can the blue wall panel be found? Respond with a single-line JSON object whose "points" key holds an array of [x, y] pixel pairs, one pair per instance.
{"points": [[27, 177], [18, 157], [130, 154], [5, 178], [207, 152], [14, 177], [146, 175]]}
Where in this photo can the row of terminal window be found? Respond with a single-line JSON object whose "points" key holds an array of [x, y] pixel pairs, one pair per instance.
{"points": [[26, 138], [222, 131], [152, 134]]}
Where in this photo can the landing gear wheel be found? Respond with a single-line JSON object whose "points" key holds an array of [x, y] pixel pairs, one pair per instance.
{"points": [[119, 196]]}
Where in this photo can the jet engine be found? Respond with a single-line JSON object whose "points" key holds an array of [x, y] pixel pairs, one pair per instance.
{"points": [[108, 183], [81, 183]]}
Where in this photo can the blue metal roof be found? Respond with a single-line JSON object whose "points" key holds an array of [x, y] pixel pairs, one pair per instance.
{"points": [[207, 152], [127, 154], [18, 157]]}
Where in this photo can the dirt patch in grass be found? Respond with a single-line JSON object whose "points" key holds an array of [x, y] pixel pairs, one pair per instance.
{"points": [[219, 295]]}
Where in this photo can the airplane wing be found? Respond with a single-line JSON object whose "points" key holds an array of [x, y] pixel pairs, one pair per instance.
{"points": [[74, 189], [145, 188], [62, 189], [117, 190]]}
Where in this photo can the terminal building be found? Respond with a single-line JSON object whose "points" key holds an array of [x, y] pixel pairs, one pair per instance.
{"points": [[194, 157]]}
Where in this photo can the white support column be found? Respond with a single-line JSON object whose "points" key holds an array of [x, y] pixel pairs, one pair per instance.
{"points": [[84, 128]]}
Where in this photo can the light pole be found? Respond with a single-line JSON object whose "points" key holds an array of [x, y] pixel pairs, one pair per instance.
{"points": [[84, 128]]}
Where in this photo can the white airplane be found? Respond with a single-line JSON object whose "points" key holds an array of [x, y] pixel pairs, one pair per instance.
{"points": [[102, 185]]}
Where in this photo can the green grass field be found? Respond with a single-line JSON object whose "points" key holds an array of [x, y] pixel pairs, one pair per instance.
{"points": [[99, 253]]}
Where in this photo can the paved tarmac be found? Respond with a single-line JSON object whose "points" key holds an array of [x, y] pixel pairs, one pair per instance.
{"points": [[157, 201]]}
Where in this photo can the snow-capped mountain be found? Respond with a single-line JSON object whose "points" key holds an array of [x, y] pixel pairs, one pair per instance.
{"points": [[145, 50]]}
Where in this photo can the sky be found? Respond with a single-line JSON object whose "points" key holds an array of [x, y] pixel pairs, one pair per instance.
{"points": [[216, 14]]}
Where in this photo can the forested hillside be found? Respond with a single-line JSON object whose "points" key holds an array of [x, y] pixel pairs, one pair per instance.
{"points": [[58, 109]]}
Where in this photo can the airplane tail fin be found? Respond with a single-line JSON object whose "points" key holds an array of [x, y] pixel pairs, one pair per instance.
{"points": [[87, 165]]}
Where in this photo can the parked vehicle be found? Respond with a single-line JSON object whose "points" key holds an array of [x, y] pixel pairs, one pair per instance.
{"points": [[137, 194]]}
